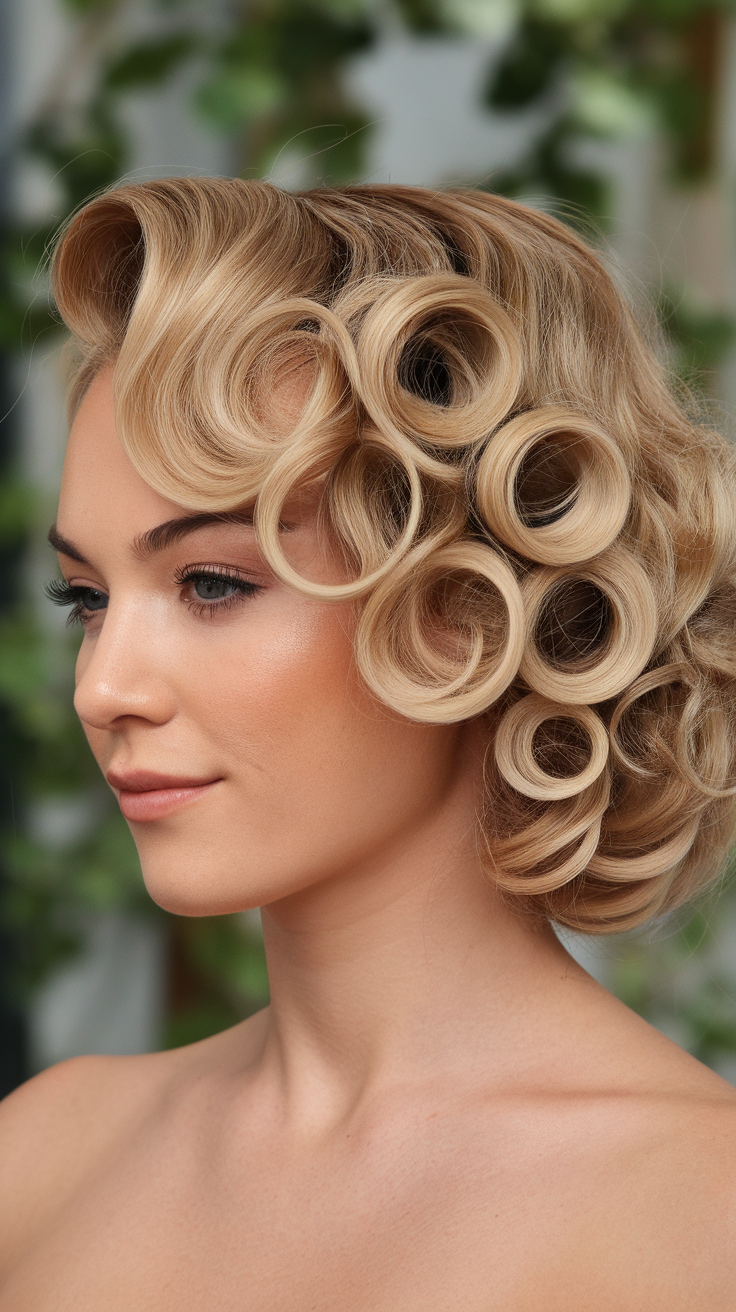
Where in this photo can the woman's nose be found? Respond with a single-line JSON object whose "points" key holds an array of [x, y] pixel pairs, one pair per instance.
{"points": [[120, 676]]}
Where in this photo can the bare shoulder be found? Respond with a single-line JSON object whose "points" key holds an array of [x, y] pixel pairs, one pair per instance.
{"points": [[63, 1127], [677, 1110], [666, 1143], [631, 1162], [54, 1131], [693, 1125], [681, 1193]]}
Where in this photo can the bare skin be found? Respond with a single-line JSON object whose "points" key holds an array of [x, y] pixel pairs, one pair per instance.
{"points": [[439, 1109]]}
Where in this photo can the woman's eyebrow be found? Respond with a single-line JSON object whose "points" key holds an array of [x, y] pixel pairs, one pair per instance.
{"points": [[163, 535], [65, 547], [173, 530]]}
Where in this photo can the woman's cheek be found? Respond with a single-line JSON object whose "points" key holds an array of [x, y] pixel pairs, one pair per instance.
{"points": [[285, 671]]}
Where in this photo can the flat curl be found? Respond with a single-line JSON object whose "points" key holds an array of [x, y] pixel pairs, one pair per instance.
{"points": [[534, 530]]}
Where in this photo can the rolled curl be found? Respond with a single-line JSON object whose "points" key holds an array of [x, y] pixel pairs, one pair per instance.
{"points": [[615, 642], [553, 486], [554, 849], [514, 748], [303, 465], [202, 430], [446, 328], [411, 651]]}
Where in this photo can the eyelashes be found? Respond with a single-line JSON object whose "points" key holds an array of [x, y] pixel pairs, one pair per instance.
{"points": [[222, 587], [212, 589], [84, 602]]}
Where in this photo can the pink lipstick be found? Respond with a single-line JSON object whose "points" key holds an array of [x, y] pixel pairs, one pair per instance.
{"points": [[144, 795]]}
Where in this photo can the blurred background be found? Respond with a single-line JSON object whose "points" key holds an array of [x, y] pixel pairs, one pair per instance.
{"points": [[617, 115]]}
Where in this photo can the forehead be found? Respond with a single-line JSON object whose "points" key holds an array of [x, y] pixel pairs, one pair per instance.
{"points": [[100, 488], [104, 496]]}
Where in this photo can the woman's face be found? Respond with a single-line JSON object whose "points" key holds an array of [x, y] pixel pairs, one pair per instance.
{"points": [[224, 708]]}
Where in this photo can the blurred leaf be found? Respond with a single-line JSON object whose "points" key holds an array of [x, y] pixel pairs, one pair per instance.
{"points": [[577, 11], [422, 15], [671, 976], [342, 10], [22, 658], [17, 505], [198, 1022], [483, 18], [530, 66], [224, 949], [606, 106], [675, 13], [148, 63], [577, 195], [328, 151], [48, 887], [234, 96], [86, 160], [700, 337], [225, 976], [305, 45]]}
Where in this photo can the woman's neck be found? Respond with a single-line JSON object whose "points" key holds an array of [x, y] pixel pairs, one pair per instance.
{"points": [[407, 966]]}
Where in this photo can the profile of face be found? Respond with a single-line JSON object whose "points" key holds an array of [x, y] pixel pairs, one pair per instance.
{"points": [[224, 707], [480, 641]]}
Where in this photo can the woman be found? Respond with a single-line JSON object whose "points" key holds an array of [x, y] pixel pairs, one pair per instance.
{"points": [[408, 604]]}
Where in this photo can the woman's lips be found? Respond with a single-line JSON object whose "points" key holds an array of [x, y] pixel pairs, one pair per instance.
{"points": [[146, 796]]}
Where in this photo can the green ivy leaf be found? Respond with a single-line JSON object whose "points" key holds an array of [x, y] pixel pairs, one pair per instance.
{"points": [[530, 68], [233, 97], [149, 63]]}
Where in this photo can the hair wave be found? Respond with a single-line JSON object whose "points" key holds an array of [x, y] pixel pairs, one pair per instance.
{"points": [[537, 531]]}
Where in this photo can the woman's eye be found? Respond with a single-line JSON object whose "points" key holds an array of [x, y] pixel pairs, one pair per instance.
{"points": [[214, 589], [83, 602], [91, 599], [208, 592]]}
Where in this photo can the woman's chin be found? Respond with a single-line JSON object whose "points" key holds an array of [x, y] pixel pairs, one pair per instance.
{"points": [[190, 895]]}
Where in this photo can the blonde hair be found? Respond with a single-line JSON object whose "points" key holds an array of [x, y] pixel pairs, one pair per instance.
{"points": [[536, 531]]}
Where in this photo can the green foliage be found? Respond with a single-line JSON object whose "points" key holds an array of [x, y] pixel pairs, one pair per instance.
{"points": [[276, 82], [89, 6], [578, 195], [148, 63], [85, 157], [425, 16], [699, 338], [225, 976], [609, 68], [49, 886], [681, 979], [17, 503], [530, 66]]}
